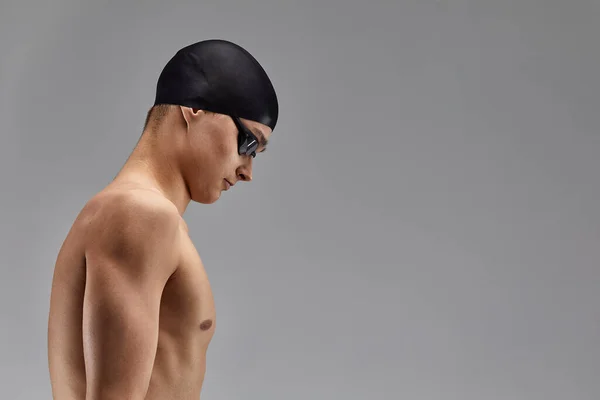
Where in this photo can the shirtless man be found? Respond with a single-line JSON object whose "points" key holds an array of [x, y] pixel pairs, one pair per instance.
{"points": [[131, 309]]}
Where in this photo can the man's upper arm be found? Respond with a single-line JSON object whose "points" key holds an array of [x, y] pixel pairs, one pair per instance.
{"points": [[130, 254]]}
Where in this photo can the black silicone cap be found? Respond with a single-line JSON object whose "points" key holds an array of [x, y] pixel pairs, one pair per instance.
{"points": [[219, 76]]}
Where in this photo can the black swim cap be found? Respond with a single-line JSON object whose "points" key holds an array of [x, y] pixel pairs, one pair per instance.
{"points": [[219, 76]]}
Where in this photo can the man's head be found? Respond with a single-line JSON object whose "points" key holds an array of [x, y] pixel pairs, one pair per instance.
{"points": [[217, 106]]}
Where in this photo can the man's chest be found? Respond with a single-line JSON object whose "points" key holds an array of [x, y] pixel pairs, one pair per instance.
{"points": [[187, 301]]}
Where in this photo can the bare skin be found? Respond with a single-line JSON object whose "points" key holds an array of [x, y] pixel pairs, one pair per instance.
{"points": [[131, 311]]}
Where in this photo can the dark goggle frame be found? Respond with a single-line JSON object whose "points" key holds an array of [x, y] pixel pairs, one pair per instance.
{"points": [[247, 141]]}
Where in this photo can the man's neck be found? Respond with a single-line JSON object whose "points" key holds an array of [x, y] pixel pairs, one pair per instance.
{"points": [[152, 170]]}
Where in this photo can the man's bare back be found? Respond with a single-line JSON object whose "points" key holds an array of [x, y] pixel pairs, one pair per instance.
{"points": [[132, 310]]}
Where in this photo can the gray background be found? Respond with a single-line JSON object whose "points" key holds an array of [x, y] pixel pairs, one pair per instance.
{"points": [[424, 225]]}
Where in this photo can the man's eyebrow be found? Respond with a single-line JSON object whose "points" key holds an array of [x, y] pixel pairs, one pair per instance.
{"points": [[261, 136]]}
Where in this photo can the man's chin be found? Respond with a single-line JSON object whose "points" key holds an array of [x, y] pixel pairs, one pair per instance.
{"points": [[208, 198]]}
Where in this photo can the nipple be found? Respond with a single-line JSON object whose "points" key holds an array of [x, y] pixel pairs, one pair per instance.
{"points": [[205, 325]]}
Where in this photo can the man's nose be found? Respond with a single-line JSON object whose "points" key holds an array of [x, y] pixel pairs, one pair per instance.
{"points": [[245, 177], [245, 171]]}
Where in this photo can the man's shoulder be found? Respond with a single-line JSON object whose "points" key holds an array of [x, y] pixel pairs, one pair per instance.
{"points": [[125, 210], [131, 229], [141, 203]]}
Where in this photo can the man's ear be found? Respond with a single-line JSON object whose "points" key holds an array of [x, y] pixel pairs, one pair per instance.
{"points": [[190, 114]]}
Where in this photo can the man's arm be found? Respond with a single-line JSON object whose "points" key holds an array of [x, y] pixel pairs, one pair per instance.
{"points": [[131, 253]]}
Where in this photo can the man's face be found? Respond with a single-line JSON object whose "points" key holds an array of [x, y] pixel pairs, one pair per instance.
{"points": [[212, 162]]}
